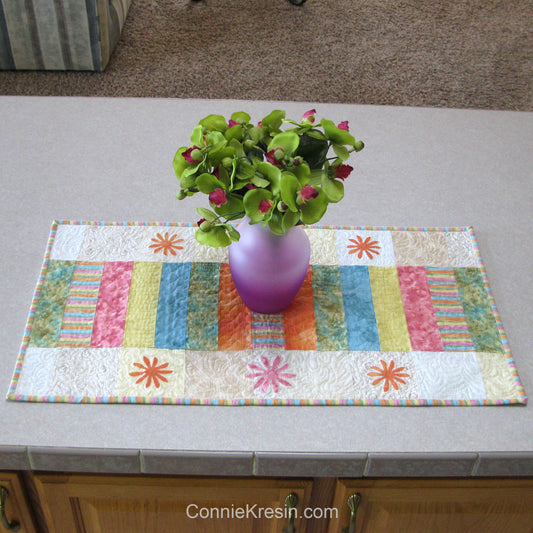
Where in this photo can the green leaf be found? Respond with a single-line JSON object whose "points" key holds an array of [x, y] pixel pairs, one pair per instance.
{"points": [[234, 133], [251, 202], [289, 189], [341, 152], [290, 219], [207, 214], [240, 116], [302, 172], [223, 176], [213, 138], [273, 120], [287, 140], [216, 236], [276, 223], [271, 173], [336, 135], [233, 205], [179, 162], [314, 150], [333, 189], [237, 146], [233, 233], [207, 183], [255, 133], [218, 153], [197, 136], [314, 209], [214, 123], [260, 182], [245, 170]]}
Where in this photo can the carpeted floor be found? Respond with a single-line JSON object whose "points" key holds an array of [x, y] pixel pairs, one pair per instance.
{"points": [[460, 53]]}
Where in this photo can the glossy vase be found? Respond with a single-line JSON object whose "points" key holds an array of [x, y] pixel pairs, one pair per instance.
{"points": [[268, 269]]}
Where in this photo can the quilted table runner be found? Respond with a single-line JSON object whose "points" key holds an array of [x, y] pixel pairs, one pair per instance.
{"points": [[142, 313]]}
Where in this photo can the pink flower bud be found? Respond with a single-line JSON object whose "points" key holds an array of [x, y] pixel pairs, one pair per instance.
{"points": [[264, 206], [343, 125], [232, 123], [307, 193], [343, 171], [309, 116], [188, 156], [218, 197], [274, 156]]}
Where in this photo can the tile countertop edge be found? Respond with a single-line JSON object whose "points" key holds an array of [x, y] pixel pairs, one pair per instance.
{"points": [[267, 464]]}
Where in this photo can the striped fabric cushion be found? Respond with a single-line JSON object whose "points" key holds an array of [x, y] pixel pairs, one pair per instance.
{"points": [[59, 34]]}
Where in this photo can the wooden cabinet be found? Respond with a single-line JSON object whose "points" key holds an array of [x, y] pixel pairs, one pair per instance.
{"points": [[16, 512], [154, 504], [122, 504], [421, 506]]}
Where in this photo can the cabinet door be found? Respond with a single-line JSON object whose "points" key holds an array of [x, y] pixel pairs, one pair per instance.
{"points": [[16, 510], [440, 506], [143, 504]]}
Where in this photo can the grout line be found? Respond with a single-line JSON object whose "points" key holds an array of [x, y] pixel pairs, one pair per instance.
{"points": [[475, 466]]}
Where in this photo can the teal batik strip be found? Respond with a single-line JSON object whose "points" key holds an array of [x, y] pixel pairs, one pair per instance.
{"points": [[202, 316], [171, 324], [478, 312], [328, 304], [48, 316], [361, 324]]}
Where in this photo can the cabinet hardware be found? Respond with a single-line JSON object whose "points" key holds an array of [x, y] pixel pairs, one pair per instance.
{"points": [[9, 525], [291, 501], [353, 503]]}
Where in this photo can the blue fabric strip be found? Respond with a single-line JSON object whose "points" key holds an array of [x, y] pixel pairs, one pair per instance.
{"points": [[358, 308], [171, 324]]}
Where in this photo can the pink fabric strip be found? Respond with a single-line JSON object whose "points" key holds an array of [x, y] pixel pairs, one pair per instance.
{"points": [[110, 316], [418, 307]]}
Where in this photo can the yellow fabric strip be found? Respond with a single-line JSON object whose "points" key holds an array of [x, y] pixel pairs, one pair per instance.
{"points": [[388, 308], [142, 305]]}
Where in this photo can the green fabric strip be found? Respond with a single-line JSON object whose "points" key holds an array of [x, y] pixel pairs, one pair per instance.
{"points": [[328, 303], [202, 316], [478, 312], [48, 316]]}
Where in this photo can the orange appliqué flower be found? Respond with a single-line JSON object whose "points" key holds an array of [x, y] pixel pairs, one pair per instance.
{"points": [[361, 246], [388, 374], [166, 243], [151, 372]]}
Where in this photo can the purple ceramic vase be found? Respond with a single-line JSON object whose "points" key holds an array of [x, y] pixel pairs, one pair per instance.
{"points": [[268, 269]]}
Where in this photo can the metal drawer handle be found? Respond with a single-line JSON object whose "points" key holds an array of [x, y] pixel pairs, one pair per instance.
{"points": [[353, 503], [9, 525], [291, 501]]}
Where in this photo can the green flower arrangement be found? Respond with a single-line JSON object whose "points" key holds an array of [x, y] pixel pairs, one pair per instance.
{"points": [[280, 177]]}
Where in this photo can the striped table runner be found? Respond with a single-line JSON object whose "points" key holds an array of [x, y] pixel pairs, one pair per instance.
{"points": [[142, 313]]}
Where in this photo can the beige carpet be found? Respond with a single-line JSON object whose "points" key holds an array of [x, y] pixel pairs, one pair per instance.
{"points": [[453, 53]]}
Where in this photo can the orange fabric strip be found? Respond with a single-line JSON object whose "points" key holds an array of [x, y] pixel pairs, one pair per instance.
{"points": [[234, 318], [299, 319]]}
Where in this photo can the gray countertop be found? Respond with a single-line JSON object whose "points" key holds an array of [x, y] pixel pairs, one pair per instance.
{"points": [[111, 159]]}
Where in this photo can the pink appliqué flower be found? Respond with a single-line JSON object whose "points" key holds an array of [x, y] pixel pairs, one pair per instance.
{"points": [[218, 197], [307, 193], [187, 154], [270, 374], [264, 206], [343, 125], [232, 123], [343, 171]]}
